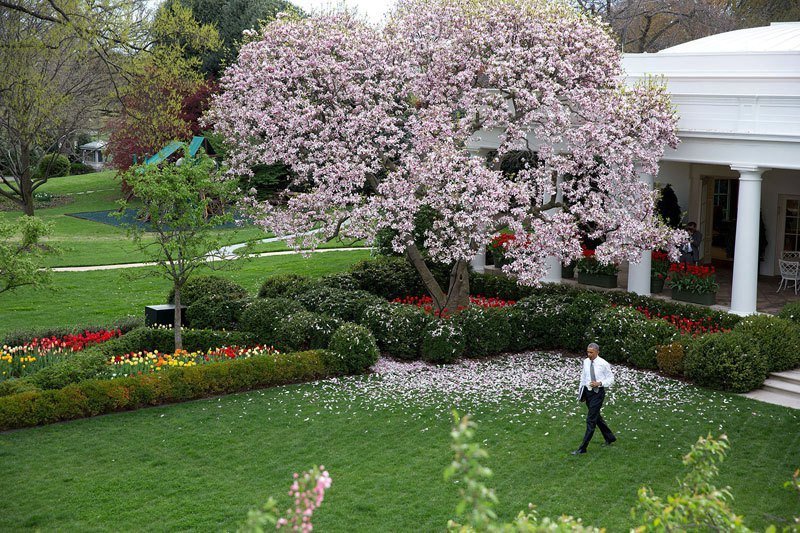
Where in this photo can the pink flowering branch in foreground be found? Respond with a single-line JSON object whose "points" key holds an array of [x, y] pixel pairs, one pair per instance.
{"points": [[308, 492], [381, 125]]}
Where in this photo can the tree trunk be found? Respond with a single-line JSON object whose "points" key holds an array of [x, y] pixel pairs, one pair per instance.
{"points": [[457, 296], [458, 292], [177, 324], [26, 182]]}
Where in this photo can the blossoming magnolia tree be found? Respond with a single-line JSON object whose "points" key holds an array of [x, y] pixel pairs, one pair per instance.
{"points": [[377, 124]]}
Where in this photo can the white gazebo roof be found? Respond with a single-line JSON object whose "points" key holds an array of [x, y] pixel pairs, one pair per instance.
{"points": [[777, 37], [94, 145]]}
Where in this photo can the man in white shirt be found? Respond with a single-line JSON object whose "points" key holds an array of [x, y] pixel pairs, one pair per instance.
{"points": [[595, 378]]}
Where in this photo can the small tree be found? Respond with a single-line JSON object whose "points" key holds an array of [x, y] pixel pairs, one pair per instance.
{"points": [[180, 206], [21, 253]]}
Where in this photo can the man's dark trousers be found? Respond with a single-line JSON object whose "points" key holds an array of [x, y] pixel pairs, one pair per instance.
{"points": [[594, 401]]}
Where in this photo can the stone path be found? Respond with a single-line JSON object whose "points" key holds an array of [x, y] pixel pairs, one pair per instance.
{"points": [[210, 259]]}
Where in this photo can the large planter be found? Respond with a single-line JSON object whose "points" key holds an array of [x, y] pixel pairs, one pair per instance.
{"points": [[702, 298], [656, 285], [608, 281], [568, 271]]}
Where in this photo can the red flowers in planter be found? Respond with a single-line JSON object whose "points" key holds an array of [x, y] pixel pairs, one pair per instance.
{"points": [[500, 242], [690, 326], [692, 278]]}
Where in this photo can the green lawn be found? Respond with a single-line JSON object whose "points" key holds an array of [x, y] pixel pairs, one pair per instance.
{"points": [[102, 296], [83, 242], [201, 465]]}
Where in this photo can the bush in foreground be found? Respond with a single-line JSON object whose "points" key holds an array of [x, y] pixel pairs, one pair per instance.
{"points": [[778, 339], [263, 316], [791, 311], [443, 342], [726, 361]]}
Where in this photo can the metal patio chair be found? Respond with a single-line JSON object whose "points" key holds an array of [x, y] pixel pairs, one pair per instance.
{"points": [[790, 271]]}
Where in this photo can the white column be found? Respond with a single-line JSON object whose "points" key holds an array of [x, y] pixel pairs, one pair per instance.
{"points": [[744, 292], [478, 262], [553, 263], [639, 273]]}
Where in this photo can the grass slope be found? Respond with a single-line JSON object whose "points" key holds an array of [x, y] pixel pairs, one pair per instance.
{"points": [[83, 242], [202, 465], [102, 296]]}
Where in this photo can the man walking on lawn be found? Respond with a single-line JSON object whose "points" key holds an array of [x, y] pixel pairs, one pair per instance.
{"points": [[595, 379]]}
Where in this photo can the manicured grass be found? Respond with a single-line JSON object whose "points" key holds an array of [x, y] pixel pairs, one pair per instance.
{"points": [[102, 296], [202, 465], [84, 242]]}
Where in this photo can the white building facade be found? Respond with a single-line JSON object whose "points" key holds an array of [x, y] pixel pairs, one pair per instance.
{"points": [[736, 172]]}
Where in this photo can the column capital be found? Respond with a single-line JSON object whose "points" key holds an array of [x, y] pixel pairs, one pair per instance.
{"points": [[752, 171]]}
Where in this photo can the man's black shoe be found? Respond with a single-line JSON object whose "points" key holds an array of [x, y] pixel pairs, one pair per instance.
{"points": [[578, 452]]}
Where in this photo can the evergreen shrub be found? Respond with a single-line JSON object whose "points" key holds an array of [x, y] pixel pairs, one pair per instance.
{"points": [[53, 166], [208, 286], [791, 311], [262, 317], [778, 339], [487, 331], [397, 328], [443, 342], [215, 312], [285, 285], [353, 349], [729, 361], [626, 336], [303, 331]]}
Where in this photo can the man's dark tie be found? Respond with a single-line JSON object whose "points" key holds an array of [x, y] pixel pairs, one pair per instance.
{"points": [[591, 373]]}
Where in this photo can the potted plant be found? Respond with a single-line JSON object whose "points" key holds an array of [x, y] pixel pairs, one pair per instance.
{"points": [[659, 268], [498, 247], [690, 283], [593, 272]]}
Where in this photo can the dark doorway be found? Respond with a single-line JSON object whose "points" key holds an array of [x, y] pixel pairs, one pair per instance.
{"points": [[723, 229]]}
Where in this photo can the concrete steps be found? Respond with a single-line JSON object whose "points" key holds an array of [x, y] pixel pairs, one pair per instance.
{"points": [[780, 388]]}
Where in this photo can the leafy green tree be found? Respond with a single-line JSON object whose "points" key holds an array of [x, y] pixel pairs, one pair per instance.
{"points": [[49, 89], [22, 253], [162, 81], [231, 18], [180, 205]]}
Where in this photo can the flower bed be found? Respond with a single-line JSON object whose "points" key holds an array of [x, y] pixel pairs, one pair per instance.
{"points": [[134, 364], [18, 361], [426, 302], [693, 327]]}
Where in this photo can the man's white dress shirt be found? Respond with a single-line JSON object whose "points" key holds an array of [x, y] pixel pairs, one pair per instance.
{"points": [[602, 373]]}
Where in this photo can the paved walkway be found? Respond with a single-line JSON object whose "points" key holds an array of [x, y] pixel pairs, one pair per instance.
{"points": [[210, 259]]}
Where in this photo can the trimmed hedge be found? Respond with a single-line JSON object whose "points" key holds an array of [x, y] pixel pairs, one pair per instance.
{"points": [[487, 331], [262, 317], [304, 331], [778, 339], [338, 303], [791, 311], [397, 328], [626, 336], [215, 312], [352, 349], [174, 384], [285, 286], [208, 286], [537, 322], [443, 342], [726, 361]]}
